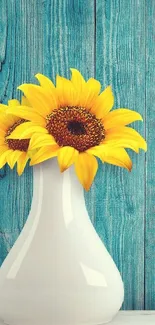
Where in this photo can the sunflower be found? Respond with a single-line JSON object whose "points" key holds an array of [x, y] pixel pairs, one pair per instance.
{"points": [[73, 121], [12, 151]]}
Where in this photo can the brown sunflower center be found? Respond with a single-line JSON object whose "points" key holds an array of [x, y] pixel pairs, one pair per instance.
{"points": [[16, 144], [75, 127]]}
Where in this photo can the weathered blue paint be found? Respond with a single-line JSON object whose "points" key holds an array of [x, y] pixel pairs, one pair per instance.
{"points": [[114, 41], [150, 160]]}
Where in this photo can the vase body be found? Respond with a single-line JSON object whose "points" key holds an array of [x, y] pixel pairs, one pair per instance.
{"points": [[58, 271]]}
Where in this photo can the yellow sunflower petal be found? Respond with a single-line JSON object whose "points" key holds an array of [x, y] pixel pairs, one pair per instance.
{"points": [[66, 157], [27, 114], [26, 130], [77, 79], [25, 102], [125, 136], [93, 88], [13, 102], [3, 148], [11, 119], [2, 133], [98, 151], [118, 157], [16, 134], [21, 162], [41, 101], [44, 153], [3, 108], [114, 156], [3, 157], [39, 140], [80, 87], [45, 82], [103, 103], [13, 157], [9, 161], [123, 143], [6, 120], [86, 167], [2, 140], [16, 156], [120, 117], [66, 92], [33, 129], [3, 125], [2, 161]]}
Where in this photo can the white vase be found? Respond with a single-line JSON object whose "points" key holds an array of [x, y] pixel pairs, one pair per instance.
{"points": [[58, 272]]}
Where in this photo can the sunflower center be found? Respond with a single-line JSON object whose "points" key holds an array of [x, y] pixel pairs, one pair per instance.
{"points": [[16, 144], [75, 127]]}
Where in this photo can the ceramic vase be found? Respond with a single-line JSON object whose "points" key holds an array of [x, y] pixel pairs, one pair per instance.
{"points": [[58, 271]]}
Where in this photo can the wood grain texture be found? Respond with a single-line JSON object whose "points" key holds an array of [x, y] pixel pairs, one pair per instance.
{"points": [[119, 195], [20, 58], [150, 159], [114, 41], [68, 36]]}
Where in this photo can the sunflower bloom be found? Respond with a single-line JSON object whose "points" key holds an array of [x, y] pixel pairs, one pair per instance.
{"points": [[12, 151], [73, 121]]}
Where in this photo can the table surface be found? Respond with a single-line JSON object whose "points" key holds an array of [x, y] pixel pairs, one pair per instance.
{"points": [[135, 318], [132, 317]]}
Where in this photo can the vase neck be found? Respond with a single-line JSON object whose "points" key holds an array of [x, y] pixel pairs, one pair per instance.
{"points": [[57, 181], [60, 192]]}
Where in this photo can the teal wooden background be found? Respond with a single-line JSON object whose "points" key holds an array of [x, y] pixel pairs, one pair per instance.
{"points": [[113, 40]]}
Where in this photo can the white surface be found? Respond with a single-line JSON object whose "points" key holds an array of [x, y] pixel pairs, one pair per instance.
{"points": [[134, 318], [58, 272]]}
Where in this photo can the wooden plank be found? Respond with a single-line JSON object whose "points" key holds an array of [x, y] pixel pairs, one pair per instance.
{"points": [[20, 58], [68, 37], [119, 196], [150, 159]]}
